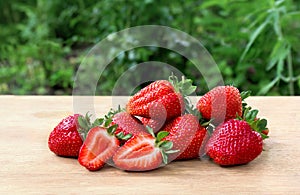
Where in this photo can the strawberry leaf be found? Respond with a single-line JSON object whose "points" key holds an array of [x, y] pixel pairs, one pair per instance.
{"points": [[245, 94], [111, 130], [171, 151], [121, 136], [161, 135], [150, 130], [167, 145], [107, 122], [262, 124], [165, 157]]}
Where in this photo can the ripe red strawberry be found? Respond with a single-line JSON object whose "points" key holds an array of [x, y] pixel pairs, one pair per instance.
{"points": [[221, 104], [181, 132], [233, 143], [158, 100], [155, 124], [193, 149], [100, 145], [142, 152], [127, 124], [65, 140], [161, 99]]}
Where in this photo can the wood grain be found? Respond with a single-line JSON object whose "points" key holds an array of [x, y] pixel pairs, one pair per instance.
{"points": [[27, 166]]}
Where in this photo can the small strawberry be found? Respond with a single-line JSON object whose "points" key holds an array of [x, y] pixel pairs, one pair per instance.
{"points": [[193, 149], [100, 145], [221, 104], [234, 142], [161, 99], [65, 140], [143, 152], [181, 132]]}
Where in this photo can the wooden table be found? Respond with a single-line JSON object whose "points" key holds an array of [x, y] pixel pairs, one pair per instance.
{"points": [[27, 165]]}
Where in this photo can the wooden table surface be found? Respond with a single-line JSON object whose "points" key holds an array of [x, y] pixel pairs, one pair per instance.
{"points": [[27, 165]]}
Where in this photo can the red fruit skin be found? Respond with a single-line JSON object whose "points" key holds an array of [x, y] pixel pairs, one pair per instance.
{"points": [[128, 124], [65, 140], [193, 149], [158, 101], [221, 104], [155, 124], [97, 149], [138, 154], [234, 143], [181, 132]]}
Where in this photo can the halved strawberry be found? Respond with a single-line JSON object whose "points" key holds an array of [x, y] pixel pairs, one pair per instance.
{"points": [[100, 145], [143, 152]]}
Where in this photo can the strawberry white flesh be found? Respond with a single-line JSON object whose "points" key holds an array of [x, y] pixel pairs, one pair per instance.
{"points": [[98, 147]]}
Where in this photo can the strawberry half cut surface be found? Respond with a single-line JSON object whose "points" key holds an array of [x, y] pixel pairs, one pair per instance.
{"points": [[143, 152], [100, 145]]}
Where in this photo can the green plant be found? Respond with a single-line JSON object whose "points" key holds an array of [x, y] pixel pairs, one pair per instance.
{"points": [[279, 16], [254, 43]]}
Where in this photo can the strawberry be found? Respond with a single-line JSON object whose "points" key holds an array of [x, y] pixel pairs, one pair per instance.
{"points": [[65, 140], [193, 149], [155, 124], [161, 99], [233, 143], [221, 104], [143, 152], [100, 145], [127, 124], [181, 132]]}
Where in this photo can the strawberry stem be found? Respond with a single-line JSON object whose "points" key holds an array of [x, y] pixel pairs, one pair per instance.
{"points": [[85, 125]]}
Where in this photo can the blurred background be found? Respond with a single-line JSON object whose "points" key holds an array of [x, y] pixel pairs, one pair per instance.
{"points": [[255, 43]]}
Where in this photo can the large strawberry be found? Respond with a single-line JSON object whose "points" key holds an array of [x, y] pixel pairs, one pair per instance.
{"points": [[100, 145], [143, 152], [233, 143], [65, 140], [221, 104], [181, 132], [161, 99], [193, 149]]}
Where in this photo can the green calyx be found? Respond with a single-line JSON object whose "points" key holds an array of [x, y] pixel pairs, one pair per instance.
{"points": [[106, 122], [185, 86], [165, 146], [85, 125], [250, 116]]}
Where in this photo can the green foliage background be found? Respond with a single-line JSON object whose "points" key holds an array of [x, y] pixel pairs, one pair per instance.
{"points": [[255, 43]]}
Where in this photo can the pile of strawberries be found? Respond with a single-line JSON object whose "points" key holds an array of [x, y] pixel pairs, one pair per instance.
{"points": [[160, 124]]}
